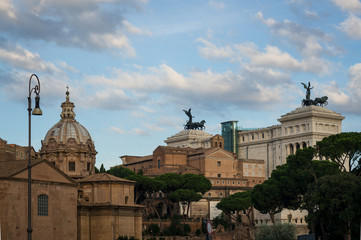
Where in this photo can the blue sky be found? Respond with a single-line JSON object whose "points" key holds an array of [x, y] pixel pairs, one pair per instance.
{"points": [[133, 65]]}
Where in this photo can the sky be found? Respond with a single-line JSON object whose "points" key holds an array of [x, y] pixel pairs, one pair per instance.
{"points": [[133, 66]]}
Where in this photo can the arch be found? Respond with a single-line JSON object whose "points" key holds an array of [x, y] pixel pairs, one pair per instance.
{"points": [[304, 144], [291, 149]]}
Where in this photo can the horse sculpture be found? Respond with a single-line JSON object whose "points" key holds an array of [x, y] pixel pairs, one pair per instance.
{"points": [[321, 101], [195, 125]]}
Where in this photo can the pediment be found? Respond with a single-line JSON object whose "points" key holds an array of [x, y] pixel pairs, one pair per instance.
{"points": [[219, 153], [44, 171]]}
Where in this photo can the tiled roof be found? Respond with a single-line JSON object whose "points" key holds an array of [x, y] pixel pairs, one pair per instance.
{"points": [[103, 177]]}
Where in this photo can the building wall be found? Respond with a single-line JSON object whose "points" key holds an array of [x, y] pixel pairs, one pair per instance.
{"points": [[108, 222], [62, 210], [300, 128]]}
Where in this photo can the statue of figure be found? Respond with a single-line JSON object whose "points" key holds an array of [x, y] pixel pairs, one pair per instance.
{"points": [[189, 114], [308, 90]]}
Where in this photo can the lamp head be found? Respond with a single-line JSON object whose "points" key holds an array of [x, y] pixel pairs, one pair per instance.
{"points": [[37, 110]]}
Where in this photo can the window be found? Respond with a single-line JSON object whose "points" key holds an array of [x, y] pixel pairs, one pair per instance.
{"points": [[209, 195], [218, 163], [72, 166], [126, 199], [158, 163], [221, 194], [42, 205], [220, 145], [218, 175], [88, 166], [215, 144]]}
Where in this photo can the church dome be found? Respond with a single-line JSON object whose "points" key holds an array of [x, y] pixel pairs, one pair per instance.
{"points": [[68, 144], [64, 130], [68, 127]]}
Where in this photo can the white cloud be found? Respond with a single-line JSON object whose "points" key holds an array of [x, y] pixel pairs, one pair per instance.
{"points": [[140, 132], [7, 9], [211, 51], [353, 6], [118, 130], [217, 4], [19, 57], [135, 30], [346, 100], [311, 42], [91, 24], [352, 26]]}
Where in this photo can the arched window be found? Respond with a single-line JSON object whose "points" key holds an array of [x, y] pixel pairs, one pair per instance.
{"points": [[43, 205], [291, 149]]}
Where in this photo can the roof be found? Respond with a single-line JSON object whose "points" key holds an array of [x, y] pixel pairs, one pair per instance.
{"points": [[103, 177], [10, 168]]}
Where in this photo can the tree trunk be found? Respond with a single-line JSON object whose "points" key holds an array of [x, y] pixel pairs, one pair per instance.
{"points": [[156, 212], [324, 235], [272, 216]]}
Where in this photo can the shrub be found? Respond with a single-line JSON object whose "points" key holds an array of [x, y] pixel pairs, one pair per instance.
{"points": [[186, 229], [220, 219], [153, 229], [276, 232]]}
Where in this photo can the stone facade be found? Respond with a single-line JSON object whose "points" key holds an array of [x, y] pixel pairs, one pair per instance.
{"points": [[106, 208], [300, 128], [195, 139], [68, 144], [227, 174], [54, 197]]}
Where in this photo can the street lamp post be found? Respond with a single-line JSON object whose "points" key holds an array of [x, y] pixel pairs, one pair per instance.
{"points": [[36, 111]]}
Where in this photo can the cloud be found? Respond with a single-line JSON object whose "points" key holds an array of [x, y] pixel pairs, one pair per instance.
{"points": [[118, 130], [353, 6], [346, 100], [211, 51], [140, 132], [310, 42], [162, 84], [216, 4], [352, 26], [91, 24], [7, 10], [16, 56]]}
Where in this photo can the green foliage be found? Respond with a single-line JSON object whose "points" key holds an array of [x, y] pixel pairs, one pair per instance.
{"points": [[176, 228], [221, 220], [240, 201], [96, 170], [197, 183], [153, 229], [172, 181], [186, 229], [184, 195], [102, 169], [277, 231], [267, 198], [335, 201], [120, 172], [344, 149]]}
